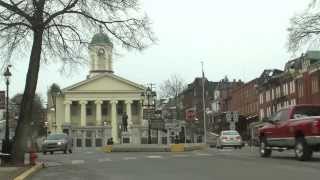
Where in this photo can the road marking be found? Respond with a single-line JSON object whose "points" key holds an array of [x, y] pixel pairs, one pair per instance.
{"points": [[77, 161], [154, 157], [129, 158], [180, 155], [89, 152], [52, 164], [225, 150], [104, 160], [203, 154]]}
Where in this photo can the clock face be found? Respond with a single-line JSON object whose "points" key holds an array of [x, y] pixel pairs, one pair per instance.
{"points": [[101, 52]]}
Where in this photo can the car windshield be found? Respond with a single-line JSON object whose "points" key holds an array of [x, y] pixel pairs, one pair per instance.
{"points": [[305, 111], [56, 136], [230, 133]]}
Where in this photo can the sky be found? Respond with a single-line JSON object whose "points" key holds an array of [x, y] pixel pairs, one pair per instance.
{"points": [[234, 38]]}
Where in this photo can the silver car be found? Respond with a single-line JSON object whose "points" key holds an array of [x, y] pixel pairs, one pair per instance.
{"points": [[229, 138], [57, 142]]}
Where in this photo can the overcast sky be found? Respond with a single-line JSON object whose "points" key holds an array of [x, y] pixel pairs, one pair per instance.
{"points": [[237, 38]]}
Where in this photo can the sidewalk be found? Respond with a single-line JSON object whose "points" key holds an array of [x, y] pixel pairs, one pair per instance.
{"points": [[9, 173]]}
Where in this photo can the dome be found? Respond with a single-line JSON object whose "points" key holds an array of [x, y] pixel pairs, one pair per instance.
{"points": [[101, 38]]}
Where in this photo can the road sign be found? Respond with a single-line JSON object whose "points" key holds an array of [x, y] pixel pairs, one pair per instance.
{"points": [[235, 116], [233, 126], [2, 99], [149, 113], [157, 124], [229, 116]]}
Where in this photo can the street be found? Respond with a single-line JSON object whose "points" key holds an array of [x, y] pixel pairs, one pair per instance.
{"points": [[210, 164]]}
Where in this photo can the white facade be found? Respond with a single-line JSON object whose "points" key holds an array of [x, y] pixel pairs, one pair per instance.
{"points": [[91, 111]]}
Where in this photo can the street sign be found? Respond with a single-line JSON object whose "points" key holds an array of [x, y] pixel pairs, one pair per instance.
{"points": [[2, 99], [235, 116], [149, 113], [157, 124], [228, 116], [232, 126]]}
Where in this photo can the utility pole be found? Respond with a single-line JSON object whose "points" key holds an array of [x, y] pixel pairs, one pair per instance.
{"points": [[204, 106]]}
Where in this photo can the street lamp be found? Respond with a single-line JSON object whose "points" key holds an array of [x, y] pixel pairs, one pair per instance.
{"points": [[149, 93], [6, 144]]}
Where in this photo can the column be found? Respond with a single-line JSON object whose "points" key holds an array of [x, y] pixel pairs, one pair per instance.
{"points": [[114, 123], [98, 112], [67, 112], [83, 118], [129, 113], [140, 112]]}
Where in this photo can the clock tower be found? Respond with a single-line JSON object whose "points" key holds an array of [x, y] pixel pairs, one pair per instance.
{"points": [[100, 53]]}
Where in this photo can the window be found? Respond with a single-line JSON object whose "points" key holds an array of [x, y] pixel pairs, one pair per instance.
{"points": [[267, 96], [285, 89], [278, 92], [292, 87], [293, 101], [272, 94], [261, 113], [300, 89], [314, 85], [261, 98]]}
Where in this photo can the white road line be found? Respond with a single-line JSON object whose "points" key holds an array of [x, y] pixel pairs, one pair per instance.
{"points": [[89, 152], [203, 154], [77, 161], [180, 155], [104, 160], [154, 157], [129, 158], [225, 150]]}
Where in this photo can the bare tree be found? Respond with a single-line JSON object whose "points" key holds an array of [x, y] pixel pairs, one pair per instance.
{"points": [[172, 87], [305, 28], [52, 29]]}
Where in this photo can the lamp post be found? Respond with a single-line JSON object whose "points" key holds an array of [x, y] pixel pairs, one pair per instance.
{"points": [[149, 93], [6, 145]]}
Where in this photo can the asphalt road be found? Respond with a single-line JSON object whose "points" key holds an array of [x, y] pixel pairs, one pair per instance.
{"points": [[211, 164]]}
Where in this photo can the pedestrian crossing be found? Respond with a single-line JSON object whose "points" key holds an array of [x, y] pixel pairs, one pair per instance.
{"points": [[128, 158]]}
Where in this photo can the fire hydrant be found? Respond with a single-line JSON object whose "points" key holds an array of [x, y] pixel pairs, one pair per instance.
{"points": [[32, 157]]}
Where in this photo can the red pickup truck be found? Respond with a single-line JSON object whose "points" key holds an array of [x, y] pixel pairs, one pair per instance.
{"points": [[296, 127]]}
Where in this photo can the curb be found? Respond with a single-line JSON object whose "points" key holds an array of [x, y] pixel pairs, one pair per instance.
{"points": [[30, 171]]}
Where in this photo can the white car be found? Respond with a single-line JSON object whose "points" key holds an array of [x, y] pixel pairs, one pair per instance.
{"points": [[229, 138]]}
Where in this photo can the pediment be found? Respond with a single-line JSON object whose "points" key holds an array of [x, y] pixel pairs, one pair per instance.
{"points": [[105, 83]]}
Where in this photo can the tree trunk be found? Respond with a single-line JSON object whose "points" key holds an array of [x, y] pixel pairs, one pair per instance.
{"points": [[23, 130]]}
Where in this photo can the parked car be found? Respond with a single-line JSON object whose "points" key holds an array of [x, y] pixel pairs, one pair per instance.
{"points": [[57, 142], [296, 127], [212, 139], [229, 138]]}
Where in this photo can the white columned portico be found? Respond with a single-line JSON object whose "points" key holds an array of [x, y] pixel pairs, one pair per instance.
{"points": [[129, 113], [114, 123], [83, 118], [67, 112], [98, 112]]}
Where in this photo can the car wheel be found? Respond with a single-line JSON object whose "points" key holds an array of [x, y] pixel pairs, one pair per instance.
{"points": [[235, 147], [65, 151], [264, 151], [44, 152], [221, 147], [51, 152], [240, 147], [302, 150], [70, 151]]}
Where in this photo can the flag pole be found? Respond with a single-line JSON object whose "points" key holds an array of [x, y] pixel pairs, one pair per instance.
{"points": [[204, 106]]}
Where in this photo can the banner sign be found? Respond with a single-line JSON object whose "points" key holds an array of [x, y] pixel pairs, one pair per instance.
{"points": [[2, 99]]}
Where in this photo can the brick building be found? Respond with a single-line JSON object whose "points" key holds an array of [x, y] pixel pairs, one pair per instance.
{"points": [[191, 107], [297, 84]]}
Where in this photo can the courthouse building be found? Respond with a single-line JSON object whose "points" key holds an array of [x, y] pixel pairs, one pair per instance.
{"points": [[91, 110]]}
